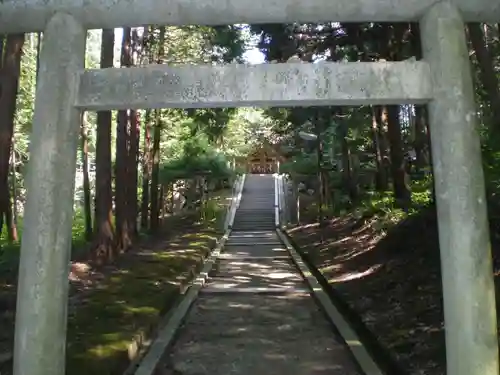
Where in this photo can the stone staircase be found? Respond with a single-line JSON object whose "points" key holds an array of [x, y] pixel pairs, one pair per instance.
{"points": [[255, 315]]}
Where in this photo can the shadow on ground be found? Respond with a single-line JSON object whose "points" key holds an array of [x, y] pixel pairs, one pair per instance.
{"points": [[392, 280], [249, 334], [112, 306]]}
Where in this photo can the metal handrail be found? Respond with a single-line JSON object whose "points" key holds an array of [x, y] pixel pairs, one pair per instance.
{"points": [[276, 202], [235, 201]]}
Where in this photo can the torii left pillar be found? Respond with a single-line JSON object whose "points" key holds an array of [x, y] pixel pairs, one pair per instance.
{"points": [[41, 316]]}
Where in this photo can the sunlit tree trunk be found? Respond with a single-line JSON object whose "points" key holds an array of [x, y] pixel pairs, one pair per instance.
{"points": [[487, 73], [146, 172], [103, 249], [9, 76], [86, 179], [398, 171], [381, 183], [155, 152], [155, 156]]}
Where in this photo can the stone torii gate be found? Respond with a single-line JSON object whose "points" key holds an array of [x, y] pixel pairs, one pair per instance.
{"points": [[442, 79]]}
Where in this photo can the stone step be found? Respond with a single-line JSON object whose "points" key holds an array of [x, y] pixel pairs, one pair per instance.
{"points": [[230, 256], [253, 242], [277, 280], [256, 290], [235, 233], [255, 220], [255, 251], [243, 236], [250, 227], [255, 266], [270, 311]]}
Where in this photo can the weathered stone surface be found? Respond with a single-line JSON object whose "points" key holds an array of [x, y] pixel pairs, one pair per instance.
{"points": [[161, 86], [468, 284], [251, 334], [238, 236], [255, 273], [40, 339], [254, 251], [32, 15], [265, 267]]}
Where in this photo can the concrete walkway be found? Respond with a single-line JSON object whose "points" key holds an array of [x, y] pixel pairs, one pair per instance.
{"points": [[255, 315]]}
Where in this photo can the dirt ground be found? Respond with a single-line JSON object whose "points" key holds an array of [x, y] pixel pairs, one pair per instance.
{"points": [[392, 280]]}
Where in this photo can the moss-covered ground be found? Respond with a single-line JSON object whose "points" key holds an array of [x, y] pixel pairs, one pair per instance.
{"points": [[112, 305]]}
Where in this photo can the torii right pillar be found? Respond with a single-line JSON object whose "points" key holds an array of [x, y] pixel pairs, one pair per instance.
{"points": [[467, 272]]}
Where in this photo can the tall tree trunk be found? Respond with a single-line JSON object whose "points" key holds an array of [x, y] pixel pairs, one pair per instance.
{"points": [[145, 57], [155, 152], [421, 137], [121, 183], [133, 209], [122, 195], [134, 44], [9, 222], [135, 55], [487, 72], [347, 170], [146, 172], [384, 143], [38, 49], [15, 215], [172, 197], [161, 204], [155, 204], [9, 76], [103, 249], [399, 177], [431, 163], [319, 153], [381, 181], [2, 44], [86, 180]]}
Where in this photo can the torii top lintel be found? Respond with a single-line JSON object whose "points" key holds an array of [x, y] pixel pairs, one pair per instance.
{"points": [[21, 16]]}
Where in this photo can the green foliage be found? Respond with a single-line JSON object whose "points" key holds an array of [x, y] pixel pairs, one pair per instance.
{"points": [[382, 207], [131, 301], [229, 43], [209, 211], [203, 142], [198, 157], [303, 163], [9, 252]]}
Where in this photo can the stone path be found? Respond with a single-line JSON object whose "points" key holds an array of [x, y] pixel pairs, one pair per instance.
{"points": [[255, 316]]}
